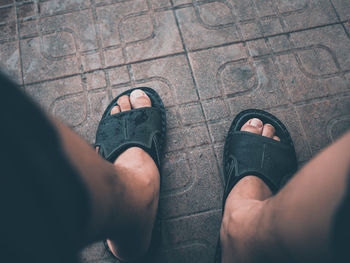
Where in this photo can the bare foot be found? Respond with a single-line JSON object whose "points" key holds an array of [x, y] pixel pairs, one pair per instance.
{"points": [[142, 173], [243, 204]]}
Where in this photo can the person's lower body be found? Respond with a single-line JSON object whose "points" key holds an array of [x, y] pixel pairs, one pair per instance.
{"points": [[299, 223], [58, 194]]}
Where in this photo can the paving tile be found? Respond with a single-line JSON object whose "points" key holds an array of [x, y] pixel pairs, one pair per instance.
{"points": [[269, 18], [54, 7], [304, 14], [218, 129], [28, 28], [323, 38], [191, 113], [26, 10], [91, 61], [186, 114], [10, 60], [114, 57], [214, 14], [258, 48], [67, 100], [58, 44], [250, 30], [181, 2], [271, 26], [141, 32], [173, 118], [201, 247], [314, 69], [165, 40], [107, 2], [265, 7], [259, 28], [242, 84], [7, 14], [244, 10], [343, 8], [212, 80], [8, 32], [200, 32], [5, 3], [63, 36], [280, 43], [95, 80], [71, 109], [347, 28], [176, 171], [8, 29], [136, 28], [175, 84], [325, 121], [118, 76], [183, 196], [155, 4], [215, 109], [38, 65], [78, 24], [305, 86], [181, 138], [293, 6], [64, 98]]}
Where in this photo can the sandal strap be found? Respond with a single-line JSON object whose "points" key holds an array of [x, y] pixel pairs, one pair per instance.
{"points": [[140, 127], [252, 154]]}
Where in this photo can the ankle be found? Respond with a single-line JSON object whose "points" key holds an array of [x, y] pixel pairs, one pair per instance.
{"points": [[243, 231], [250, 187], [135, 159], [139, 177]]}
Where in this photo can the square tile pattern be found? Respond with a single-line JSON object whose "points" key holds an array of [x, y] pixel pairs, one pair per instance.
{"points": [[208, 60]]}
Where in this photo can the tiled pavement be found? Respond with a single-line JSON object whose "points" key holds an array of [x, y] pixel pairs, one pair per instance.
{"points": [[208, 60]]}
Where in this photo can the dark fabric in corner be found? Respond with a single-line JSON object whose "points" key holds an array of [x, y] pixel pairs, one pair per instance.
{"points": [[44, 205], [341, 228]]}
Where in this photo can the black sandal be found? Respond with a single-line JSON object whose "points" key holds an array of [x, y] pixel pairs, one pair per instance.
{"points": [[142, 127], [246, 153]]}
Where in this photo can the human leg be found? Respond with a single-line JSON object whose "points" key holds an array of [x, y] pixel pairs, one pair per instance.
{"points": [[296, 223], [124, 194], [50, 171]]}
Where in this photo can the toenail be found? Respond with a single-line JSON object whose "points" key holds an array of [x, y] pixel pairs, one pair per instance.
{"points": [[137, 93], [256, 123]]}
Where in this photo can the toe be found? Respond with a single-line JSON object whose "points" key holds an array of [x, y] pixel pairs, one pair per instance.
{"points": [[253, 125], [124, 103], [115, 110], [139, 99], [276, 138], [268, 130]]}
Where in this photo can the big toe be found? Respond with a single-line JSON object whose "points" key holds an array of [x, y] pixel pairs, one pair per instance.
{"points": [[139, 99], [254, 126]]}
